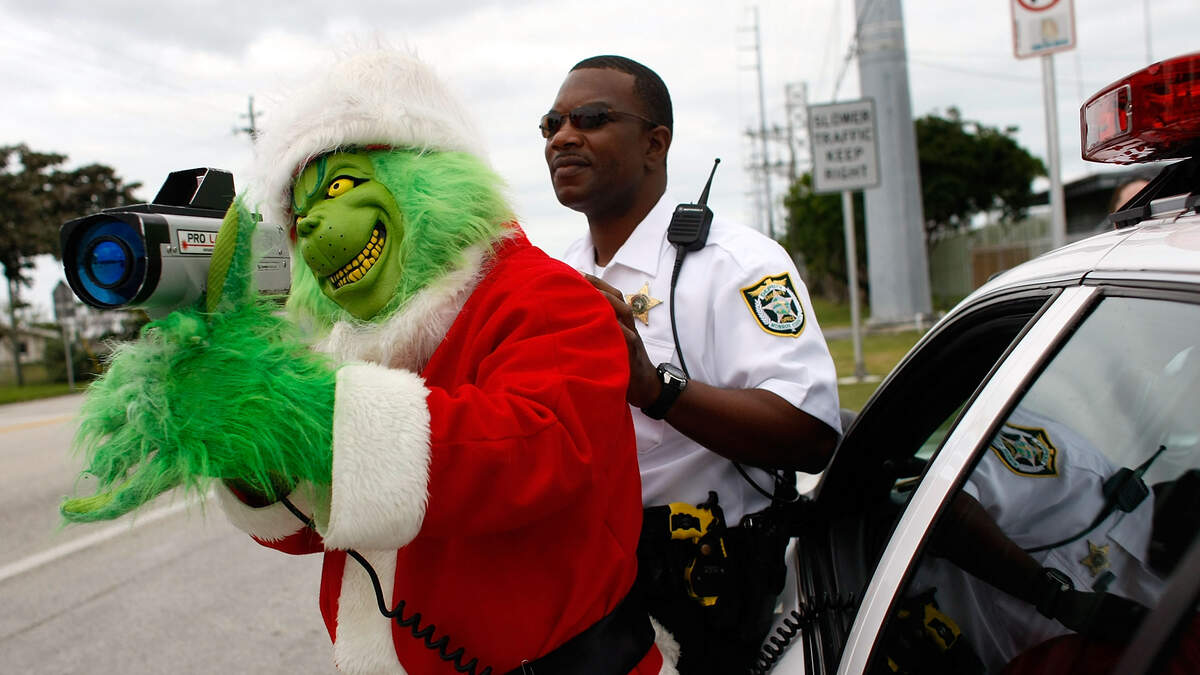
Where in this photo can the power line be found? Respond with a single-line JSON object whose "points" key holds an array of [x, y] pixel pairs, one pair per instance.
{"points": [[853, 50]]}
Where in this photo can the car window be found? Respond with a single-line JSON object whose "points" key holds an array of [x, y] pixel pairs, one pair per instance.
{"points": [[1076, 511], [881, 459]]}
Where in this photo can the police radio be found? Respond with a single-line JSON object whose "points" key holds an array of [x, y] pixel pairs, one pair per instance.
{"points": [[690, 222], [688, 231]]}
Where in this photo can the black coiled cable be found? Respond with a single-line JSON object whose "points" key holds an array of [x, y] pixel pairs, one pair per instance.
{"points": [[413, 623], [799, 619]]}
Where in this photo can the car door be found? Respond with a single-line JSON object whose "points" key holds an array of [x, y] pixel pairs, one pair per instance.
{"points": [[1051, 518], [842, 533]]}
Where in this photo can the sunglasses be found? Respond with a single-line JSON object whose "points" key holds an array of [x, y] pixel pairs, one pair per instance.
{"points": [[585, 118]]}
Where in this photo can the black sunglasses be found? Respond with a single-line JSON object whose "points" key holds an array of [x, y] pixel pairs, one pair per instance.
{"points": [[584, 118]]}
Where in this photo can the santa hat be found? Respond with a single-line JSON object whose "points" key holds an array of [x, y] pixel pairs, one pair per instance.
{"points": [[380, 97]]}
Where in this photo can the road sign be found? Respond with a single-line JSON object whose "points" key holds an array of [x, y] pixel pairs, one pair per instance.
{"points": [[844, 147], [1042, 27], [64, 301]]}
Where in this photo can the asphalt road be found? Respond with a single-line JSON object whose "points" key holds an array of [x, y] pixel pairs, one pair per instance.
{"points": [[174, 590]]}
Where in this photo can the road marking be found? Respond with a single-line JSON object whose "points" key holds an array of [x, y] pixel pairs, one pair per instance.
{"points": [[45, 557], [36, 423]]}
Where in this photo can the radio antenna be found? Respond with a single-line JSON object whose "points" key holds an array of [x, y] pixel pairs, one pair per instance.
{"points": [[704, 195]]}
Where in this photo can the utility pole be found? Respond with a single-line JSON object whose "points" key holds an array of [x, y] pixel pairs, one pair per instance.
{"points": [[251, 129], [898, 264], [14, 334], [795, 97], [764, 174]]}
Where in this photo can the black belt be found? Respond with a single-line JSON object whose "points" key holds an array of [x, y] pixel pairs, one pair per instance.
{"points": [[614, 645]]}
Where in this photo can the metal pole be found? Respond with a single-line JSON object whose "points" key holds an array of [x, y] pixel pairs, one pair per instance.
{"points": [[762, 131], [1146, 25], [66, 332], [860, 370], [1058, 212], [14, 335]]}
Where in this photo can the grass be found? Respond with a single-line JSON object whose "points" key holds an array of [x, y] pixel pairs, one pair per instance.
{"points": [[831, 314], [881, 352], [11, 393]]}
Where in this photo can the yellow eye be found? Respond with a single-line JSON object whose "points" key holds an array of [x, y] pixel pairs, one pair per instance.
{"points": [[339, 187]]}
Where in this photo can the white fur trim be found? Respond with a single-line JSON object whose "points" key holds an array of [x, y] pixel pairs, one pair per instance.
{"points": [[667, 646], [269, 523], [378, 96], [364, 636], [409, 337], [380, 458]]}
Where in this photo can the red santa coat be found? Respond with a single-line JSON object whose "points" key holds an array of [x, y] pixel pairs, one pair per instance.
{"points": [[496, 492]]}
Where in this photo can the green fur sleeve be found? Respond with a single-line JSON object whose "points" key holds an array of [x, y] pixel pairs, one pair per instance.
{"points": [[230, 393]]}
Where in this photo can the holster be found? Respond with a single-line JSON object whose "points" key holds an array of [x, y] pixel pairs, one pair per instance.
{"points": [[712, 586]]}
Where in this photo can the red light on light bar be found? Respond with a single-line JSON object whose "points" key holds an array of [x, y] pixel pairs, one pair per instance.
{"points": [[1151, 115]]}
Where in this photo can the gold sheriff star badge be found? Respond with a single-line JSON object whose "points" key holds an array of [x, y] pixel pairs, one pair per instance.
{"points": [[642, 303], [1097, 558]]}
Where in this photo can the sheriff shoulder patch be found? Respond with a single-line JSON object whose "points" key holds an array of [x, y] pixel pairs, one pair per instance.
{"points": [[1026, 451], [775, 305]]}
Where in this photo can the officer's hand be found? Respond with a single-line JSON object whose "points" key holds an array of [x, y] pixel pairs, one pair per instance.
{"points": [[644, 385]]}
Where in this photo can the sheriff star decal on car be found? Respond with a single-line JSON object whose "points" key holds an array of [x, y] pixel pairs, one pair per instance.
{"points": [[775, 305]]}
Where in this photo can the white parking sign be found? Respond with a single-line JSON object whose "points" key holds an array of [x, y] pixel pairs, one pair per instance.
{"points": [[842, 137]]}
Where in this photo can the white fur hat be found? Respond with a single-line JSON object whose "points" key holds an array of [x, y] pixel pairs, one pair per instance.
{"points": [[381, 96]]}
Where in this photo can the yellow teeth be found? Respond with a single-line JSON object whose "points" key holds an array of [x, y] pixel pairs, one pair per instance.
{"points": [[357, 268]]}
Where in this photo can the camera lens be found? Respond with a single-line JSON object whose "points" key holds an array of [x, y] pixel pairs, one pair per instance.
{"points": [[108, 262]]}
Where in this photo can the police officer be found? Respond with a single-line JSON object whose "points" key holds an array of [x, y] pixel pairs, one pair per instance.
{"points": [[1034, 548], [759, 387]]}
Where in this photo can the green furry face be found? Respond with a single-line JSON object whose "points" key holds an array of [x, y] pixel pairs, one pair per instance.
{"points": [[441, 204], [348, 231]]}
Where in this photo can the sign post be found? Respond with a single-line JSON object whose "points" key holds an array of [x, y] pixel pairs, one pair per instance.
{"points": [[64, 313], [1042, 28], [846, 158]]}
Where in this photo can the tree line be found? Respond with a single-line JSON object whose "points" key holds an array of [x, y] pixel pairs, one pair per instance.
{"points": [[967, 168], [37, 195]]}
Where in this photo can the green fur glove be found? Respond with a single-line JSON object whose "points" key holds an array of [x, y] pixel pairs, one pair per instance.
{"points": [[230, 393]]}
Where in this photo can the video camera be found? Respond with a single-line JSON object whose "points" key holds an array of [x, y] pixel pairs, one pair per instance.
{"points": [[155, 256]]}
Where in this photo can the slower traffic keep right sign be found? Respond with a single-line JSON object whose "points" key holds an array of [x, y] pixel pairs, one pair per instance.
{"points": [[843, 141]]}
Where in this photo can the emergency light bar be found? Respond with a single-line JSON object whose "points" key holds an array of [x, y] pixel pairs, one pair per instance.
{"points": [[1151, 115]]}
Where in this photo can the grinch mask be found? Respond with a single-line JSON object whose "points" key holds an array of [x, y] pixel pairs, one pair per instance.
{"points": [[376, 227], [348, 230]]}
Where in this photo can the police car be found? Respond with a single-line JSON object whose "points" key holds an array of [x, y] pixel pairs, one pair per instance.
{"points": [[1022, 493]]}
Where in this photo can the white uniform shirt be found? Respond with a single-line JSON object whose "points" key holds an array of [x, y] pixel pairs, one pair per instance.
{"points": [[1043, 486], [738, 329]]}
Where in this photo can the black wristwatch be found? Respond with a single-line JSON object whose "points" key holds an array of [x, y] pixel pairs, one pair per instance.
{"points": [[674, 381]]}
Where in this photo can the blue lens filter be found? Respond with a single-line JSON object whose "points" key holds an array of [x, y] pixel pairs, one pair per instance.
{"points": [[108, 262], [111, 262]]}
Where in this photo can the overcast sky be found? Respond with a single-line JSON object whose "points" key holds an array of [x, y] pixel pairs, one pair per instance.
{"points": [[153, 87]]}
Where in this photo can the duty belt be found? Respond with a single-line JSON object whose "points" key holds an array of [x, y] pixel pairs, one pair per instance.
{"points": [[614, 645]]}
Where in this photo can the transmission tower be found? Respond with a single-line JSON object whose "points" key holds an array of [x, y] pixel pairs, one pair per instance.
{"points": [[761, 165]]}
